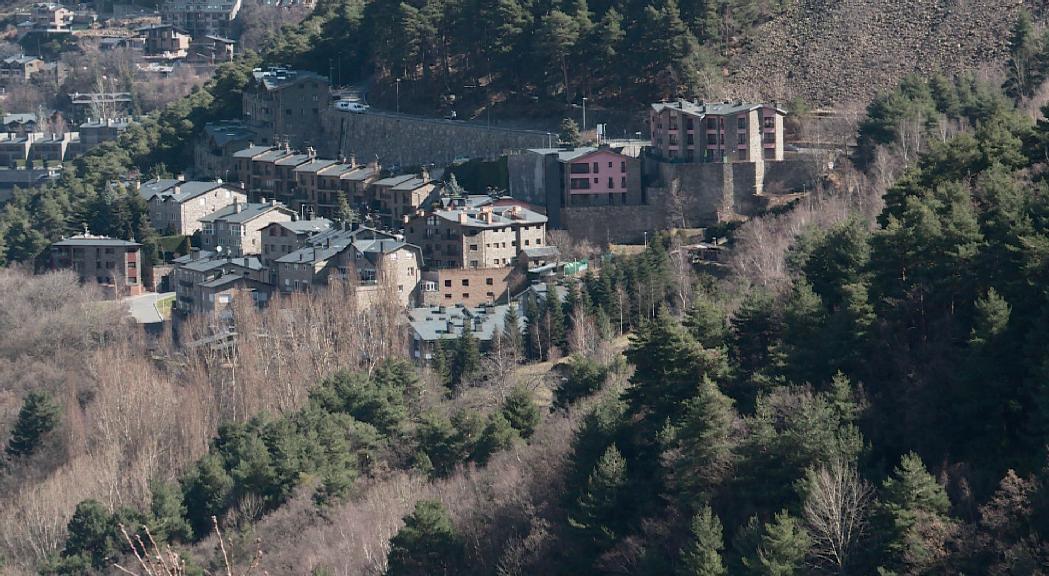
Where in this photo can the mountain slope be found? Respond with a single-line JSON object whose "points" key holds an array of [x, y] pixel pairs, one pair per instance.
{"points": [[841, 51]]}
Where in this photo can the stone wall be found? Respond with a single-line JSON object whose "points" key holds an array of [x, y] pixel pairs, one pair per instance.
{"points": [[691, 195], [410, 140]]}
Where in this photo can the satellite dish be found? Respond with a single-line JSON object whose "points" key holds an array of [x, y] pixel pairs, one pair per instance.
{"points": [[218, 249]]}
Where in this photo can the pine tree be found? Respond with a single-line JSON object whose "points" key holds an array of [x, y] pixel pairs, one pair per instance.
{"points": [[704, 441], [555, 318], [206, 490], [440, 363], [91, 534], [598, 510], [467, 357], [1022, 69], [702, 555], [168, 513], [498, 435], [427, 545], [520, 410], [913, 518], [533, 340], [569, 133], [706, 321], [39, 416], [511, 335], [782, 549]]}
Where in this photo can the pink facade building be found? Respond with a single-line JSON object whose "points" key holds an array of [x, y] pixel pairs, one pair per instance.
{"points": [[731, 131], [601, 177]]}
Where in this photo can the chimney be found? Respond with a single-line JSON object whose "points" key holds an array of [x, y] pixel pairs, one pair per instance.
{"points": [[352, 160], [218, 180], [462, 217], [236, 206], [424, 174]]}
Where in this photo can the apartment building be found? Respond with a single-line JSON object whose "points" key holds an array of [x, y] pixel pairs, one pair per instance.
{"points": [[111, 262], [96, 131], [22, 68], [237, 228], [205, 281], [584, 176], [398, 197], [729, 131], [475, 232], [357, 184], [201, 17], [284, 237], [52, 17], [285, 105], [177, 207], [165, 41], [215, 150], [376, 263]]}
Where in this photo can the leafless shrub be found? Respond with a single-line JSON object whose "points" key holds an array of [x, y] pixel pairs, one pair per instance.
{"points": [[571, 248]]}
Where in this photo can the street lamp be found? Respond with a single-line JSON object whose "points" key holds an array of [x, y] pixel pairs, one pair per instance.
{"points": [[398, 95], [584, 114]]}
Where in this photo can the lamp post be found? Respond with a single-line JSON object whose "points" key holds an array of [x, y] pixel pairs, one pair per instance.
{"points": [[398, 95], [584, 114]]}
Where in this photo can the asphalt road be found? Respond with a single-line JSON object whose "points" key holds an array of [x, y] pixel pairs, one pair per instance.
{"points": [[143, 308]]}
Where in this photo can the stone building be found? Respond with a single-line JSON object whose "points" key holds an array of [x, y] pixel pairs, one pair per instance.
{"points": [[376, 263], [729, 131], [21, 69], [205, 281], [285, 105], [177, 207], [284, 237], [165, 41], [111, 262], [475, 232], [397, 197], [237, 228], [201, 17]]}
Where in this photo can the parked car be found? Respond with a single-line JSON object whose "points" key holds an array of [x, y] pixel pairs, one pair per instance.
{"points": [[351, 106]]}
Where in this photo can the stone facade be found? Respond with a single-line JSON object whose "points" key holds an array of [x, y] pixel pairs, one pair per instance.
{"points": [[476, 234], [237, 229], [285, 106], [179, 208]]}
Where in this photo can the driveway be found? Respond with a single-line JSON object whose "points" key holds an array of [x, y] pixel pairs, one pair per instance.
{"points": [[143, 308]]}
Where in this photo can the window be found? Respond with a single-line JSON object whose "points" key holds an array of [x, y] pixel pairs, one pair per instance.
{"points": [[596, 180], [580, 184], [466, 295], [473, 246], [430, 286], [742, 153], [466, 281], [611, 184], [580, 168], [688, 123], [448, 296], [622, 165], [610, 164], [489, 281], [691, 139], [596, 167], [622, 182], [741, 123], [447, 283], [770, 122]]}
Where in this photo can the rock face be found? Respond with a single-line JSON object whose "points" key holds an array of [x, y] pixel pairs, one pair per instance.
{"points": [[842, 51]]}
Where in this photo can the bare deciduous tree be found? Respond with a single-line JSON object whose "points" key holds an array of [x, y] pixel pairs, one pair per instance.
{"points": [[836, 511]]}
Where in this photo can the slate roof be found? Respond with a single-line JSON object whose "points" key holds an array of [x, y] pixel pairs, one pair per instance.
{"points": [[212, 262], [432, 323], [241, 213], [251, 151], [709, 108], [564, 154], [92, 240], [501, 216], [223, 134], [315, 225]]}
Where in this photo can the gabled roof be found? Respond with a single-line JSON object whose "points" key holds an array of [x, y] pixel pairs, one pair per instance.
{"points": [[223, 134], [20, 118], [156, 187], [214, 262], [359, 173], [701, 108], [313, 225], [564, 154], [315, 165], [292, 160], [238, 213], [251, 151], [502, 216]]}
